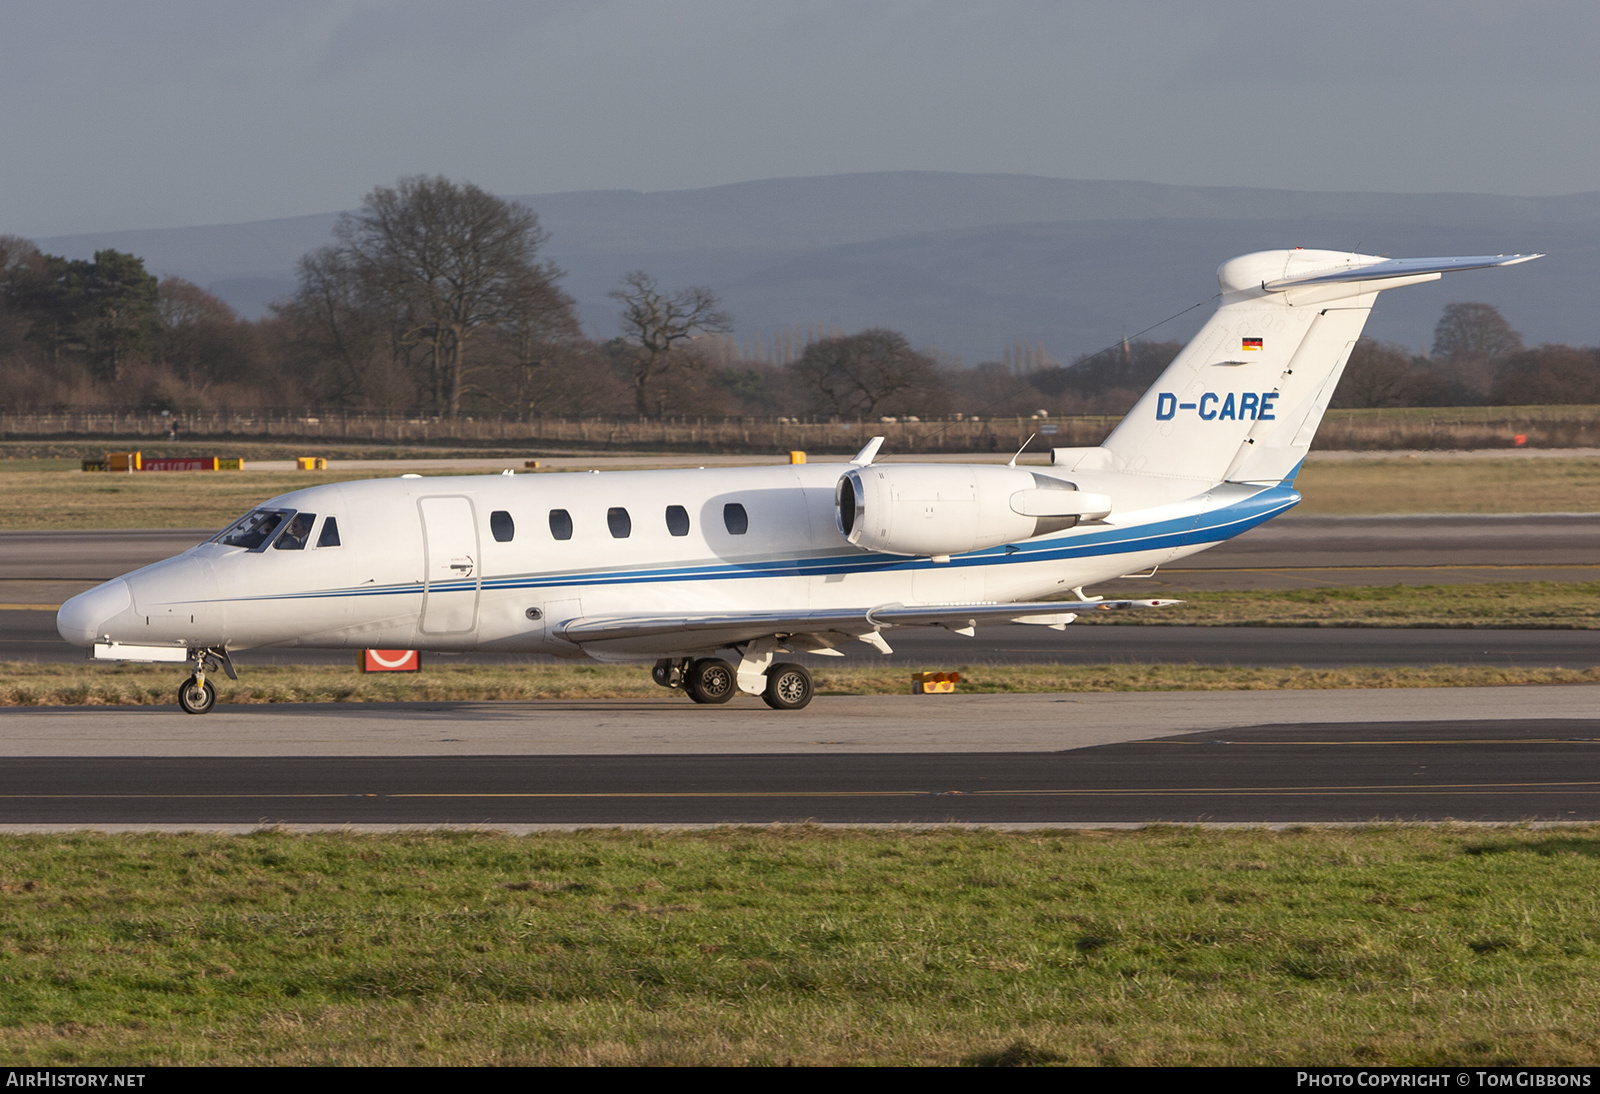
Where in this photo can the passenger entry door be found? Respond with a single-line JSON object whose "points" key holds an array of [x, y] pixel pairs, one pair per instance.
{"points": [[451, 558]]}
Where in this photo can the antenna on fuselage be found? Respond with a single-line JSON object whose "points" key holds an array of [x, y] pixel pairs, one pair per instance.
{"points": [[868, 453], [1025, 444]]}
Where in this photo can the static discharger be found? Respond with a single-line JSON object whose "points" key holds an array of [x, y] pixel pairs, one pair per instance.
{"points": [[934, 683]]}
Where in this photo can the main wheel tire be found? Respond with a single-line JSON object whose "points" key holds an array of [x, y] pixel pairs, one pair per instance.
{"points": [[196, 697], [789, 687], [661, 673], [711, 680]]}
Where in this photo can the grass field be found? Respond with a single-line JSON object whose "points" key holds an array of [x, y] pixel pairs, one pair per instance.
{"points": [[1523, 604], [1435, 946], [1441, 485], [34, 684], [32, 499]]}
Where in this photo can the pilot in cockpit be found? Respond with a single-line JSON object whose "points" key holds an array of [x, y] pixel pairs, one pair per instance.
{"points": [[294, 537]]}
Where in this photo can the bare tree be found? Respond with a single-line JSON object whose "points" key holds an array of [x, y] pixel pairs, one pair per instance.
{"points": [[443, 262], [1474, 331], [659, 328], [1376, 375], [197, 335], [542, 333], [1551, 375], [870, 373], [345, 349]]}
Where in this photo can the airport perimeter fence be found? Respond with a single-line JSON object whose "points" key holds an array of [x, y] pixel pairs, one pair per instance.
{"points": [[1422, 428]]}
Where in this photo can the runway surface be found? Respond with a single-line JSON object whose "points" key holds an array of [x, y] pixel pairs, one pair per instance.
{"points": [[1490, 754]]}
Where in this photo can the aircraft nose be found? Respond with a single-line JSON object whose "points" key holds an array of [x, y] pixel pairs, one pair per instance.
{"points": [[80, 619]]}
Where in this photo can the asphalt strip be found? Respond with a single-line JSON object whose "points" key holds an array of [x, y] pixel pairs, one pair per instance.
{"points": [[671, 726]]}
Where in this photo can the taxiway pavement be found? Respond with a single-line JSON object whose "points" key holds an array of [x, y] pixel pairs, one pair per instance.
{"points": [[1486, 754]]}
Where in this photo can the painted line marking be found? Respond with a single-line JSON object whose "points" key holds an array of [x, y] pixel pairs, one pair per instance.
{"points": [[1412, 741]]}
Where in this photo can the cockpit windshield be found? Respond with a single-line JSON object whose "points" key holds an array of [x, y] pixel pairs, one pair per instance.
{"points": [[253, 529]]}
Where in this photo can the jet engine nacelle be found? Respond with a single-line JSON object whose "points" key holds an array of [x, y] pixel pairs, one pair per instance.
{"points": [[940, 510]]}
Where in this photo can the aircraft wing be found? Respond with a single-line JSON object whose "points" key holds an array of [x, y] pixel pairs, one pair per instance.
{"points": [[814, 631]]}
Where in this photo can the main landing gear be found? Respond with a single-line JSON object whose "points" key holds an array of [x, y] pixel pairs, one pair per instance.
{"points": [[711, 680], [788, 687]]}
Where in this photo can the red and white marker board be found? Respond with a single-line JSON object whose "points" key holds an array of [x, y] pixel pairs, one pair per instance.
{"points": [[391, 661]]}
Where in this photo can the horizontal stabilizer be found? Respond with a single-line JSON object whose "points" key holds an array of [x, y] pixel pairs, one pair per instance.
{"points": [[1397, 267]]}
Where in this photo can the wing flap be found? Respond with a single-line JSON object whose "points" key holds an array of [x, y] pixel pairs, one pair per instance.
{"points": [[711, 629]]}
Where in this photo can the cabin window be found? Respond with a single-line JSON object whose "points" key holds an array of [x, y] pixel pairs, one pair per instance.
{"points": [[294, 537], [735, 518], [330, 533], [560, 524], [253, 529], [677, 520], [501, 525], [619, 522]]}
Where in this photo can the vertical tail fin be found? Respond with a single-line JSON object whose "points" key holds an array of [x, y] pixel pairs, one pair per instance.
{"points": [[1243, 399]]}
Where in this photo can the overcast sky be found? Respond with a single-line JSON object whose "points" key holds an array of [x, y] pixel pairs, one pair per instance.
{"points": [[175, 112]]}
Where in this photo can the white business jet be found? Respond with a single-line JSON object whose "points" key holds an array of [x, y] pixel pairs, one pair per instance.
{"points": [[714, 573]]}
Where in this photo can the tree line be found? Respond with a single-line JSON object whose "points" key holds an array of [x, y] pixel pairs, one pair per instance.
{"points": [[435, 299]]}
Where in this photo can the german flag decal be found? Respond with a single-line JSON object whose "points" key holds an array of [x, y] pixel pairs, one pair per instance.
{"points": [[1251, 343]]}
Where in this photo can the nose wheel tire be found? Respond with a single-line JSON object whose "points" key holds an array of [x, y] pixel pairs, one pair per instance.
{"points": [[196, 696], [711, 680], [788, 687]]}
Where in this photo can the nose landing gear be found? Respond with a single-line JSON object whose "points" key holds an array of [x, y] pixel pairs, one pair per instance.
{"points": [[196, 695]]}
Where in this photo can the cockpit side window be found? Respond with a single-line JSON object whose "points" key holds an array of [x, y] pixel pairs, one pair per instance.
{"points": [[330, 533], [253, 529], [294, 537]]}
